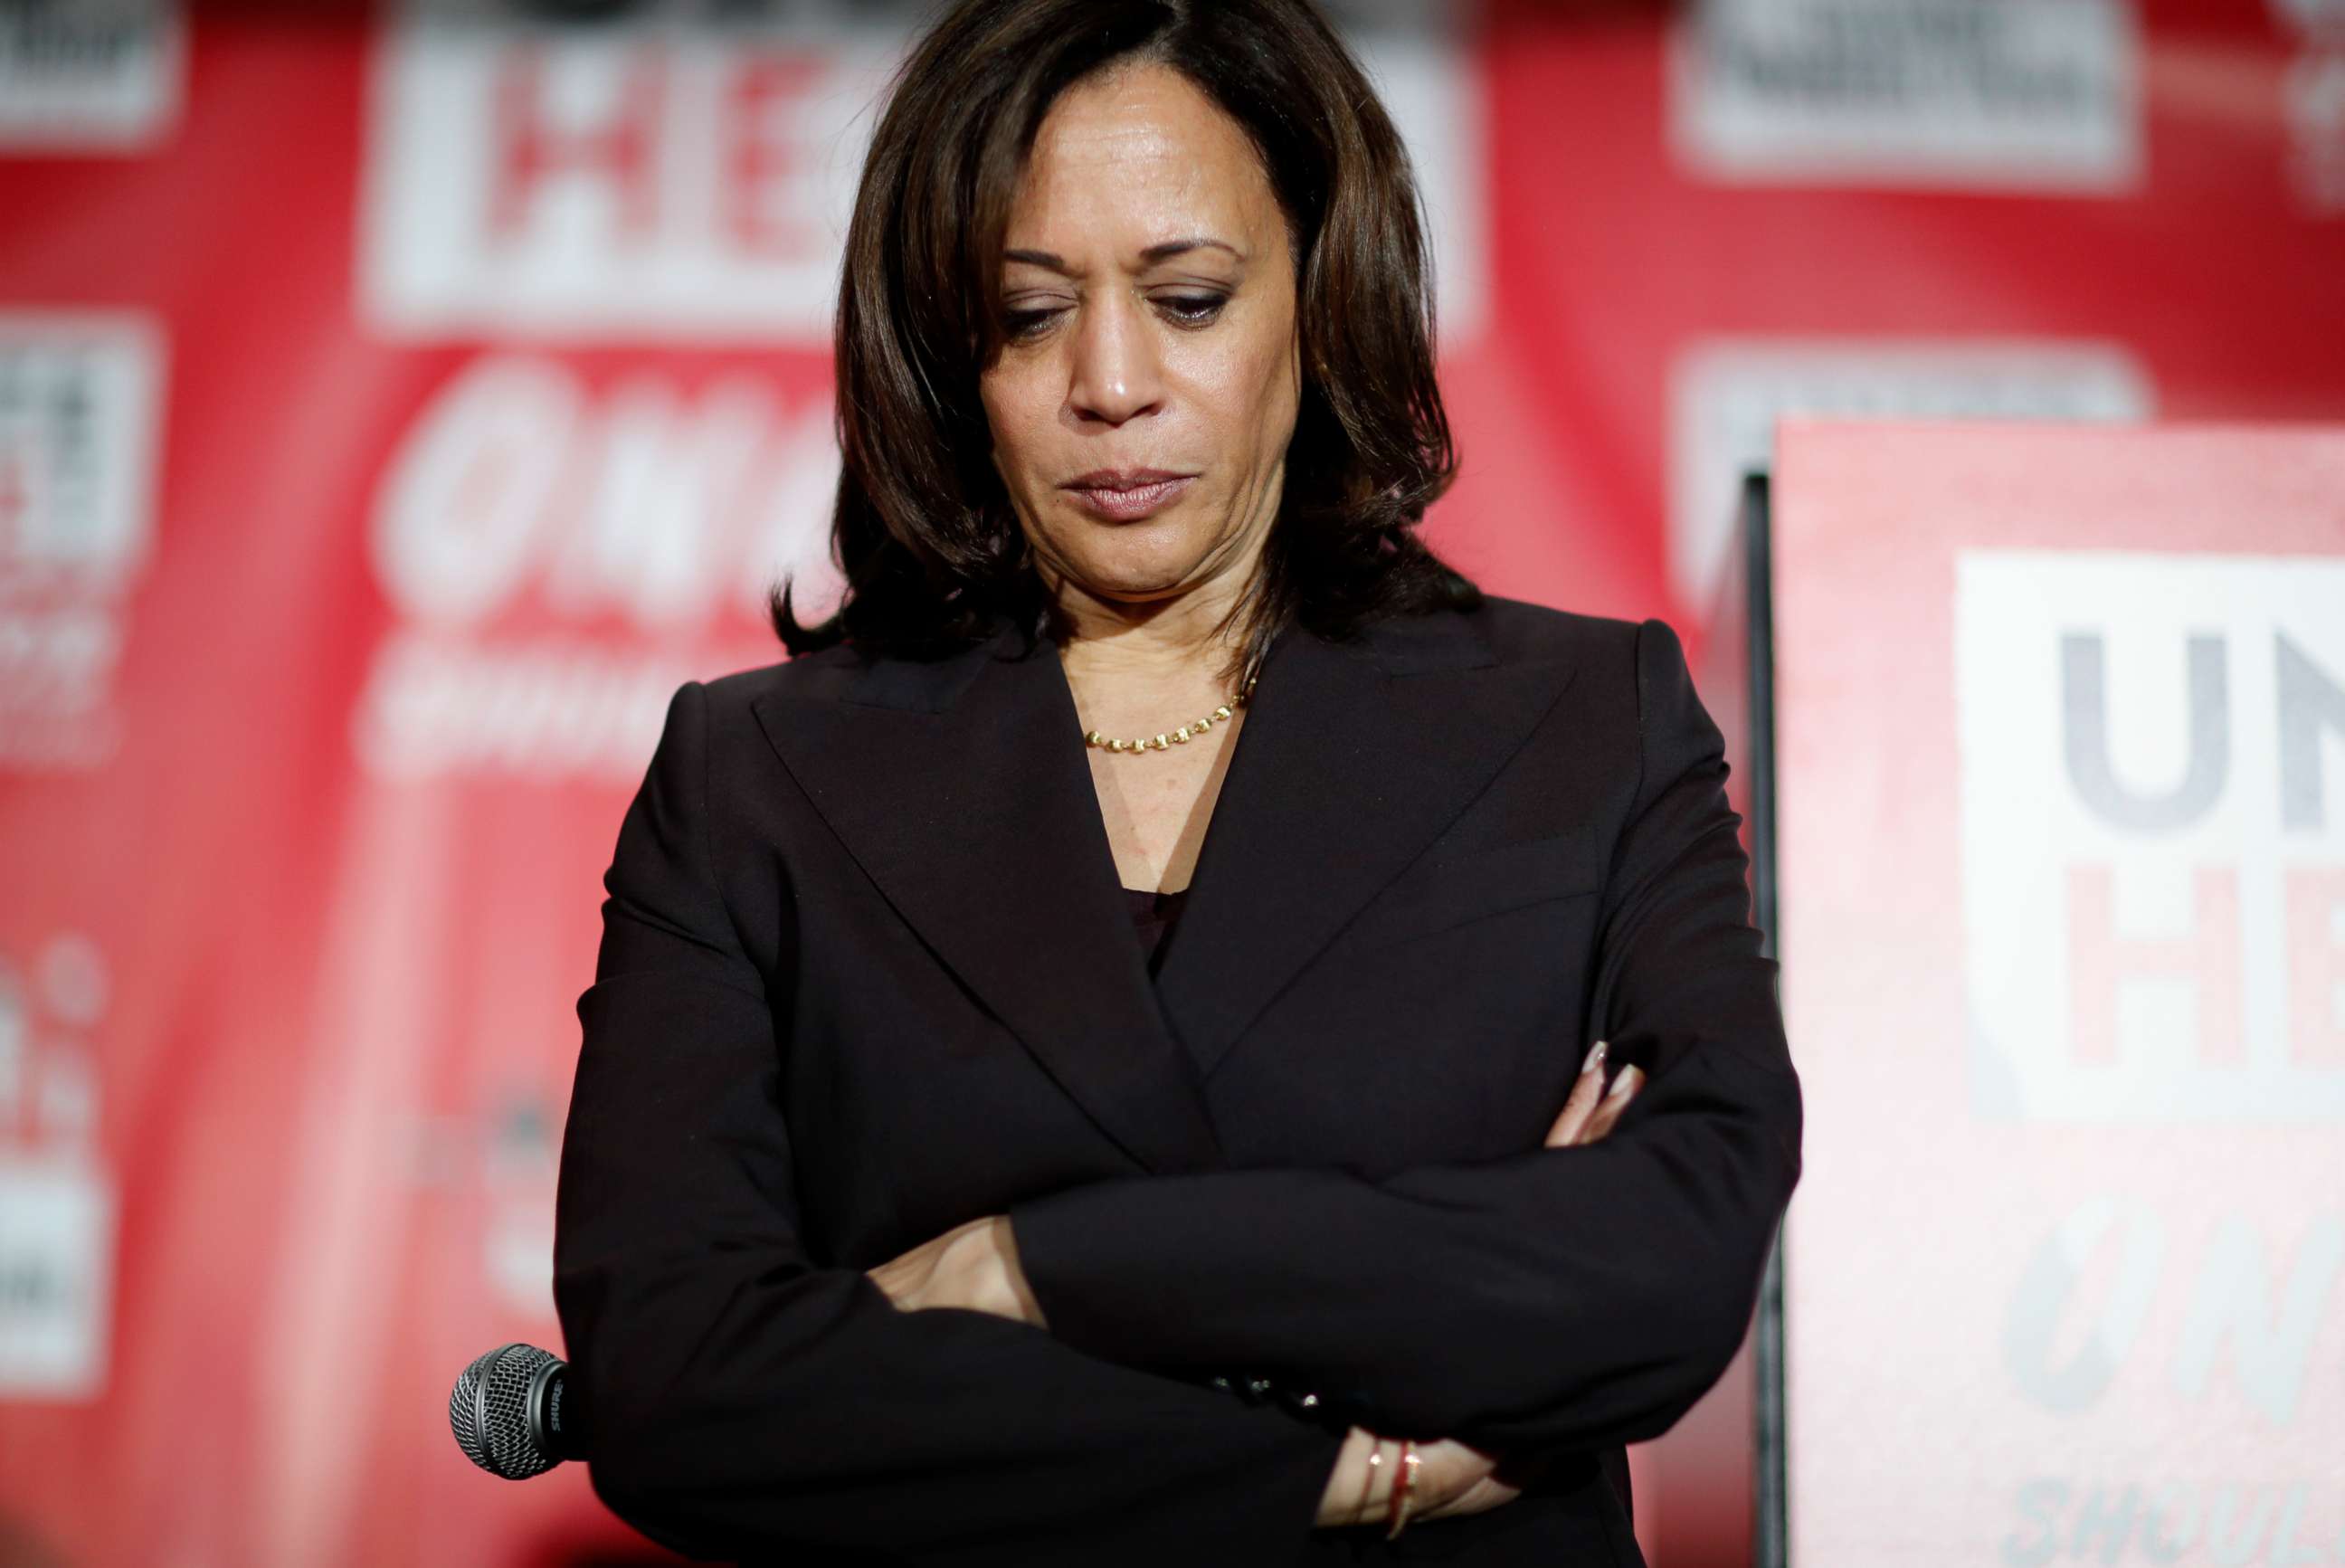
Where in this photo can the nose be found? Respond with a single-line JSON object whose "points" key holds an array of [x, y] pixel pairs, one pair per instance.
{"points": [[1116, 373]]}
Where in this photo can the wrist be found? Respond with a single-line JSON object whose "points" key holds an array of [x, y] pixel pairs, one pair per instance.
{"points": [[1364, 1493], [1339, 1502], [1016, 1292]]}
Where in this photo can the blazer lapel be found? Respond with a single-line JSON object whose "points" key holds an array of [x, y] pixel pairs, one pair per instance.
{"points": [[962, 788], [1351, 761]]}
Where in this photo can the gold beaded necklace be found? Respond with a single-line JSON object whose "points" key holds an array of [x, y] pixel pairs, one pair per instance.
{"points": [[1173, 737]]}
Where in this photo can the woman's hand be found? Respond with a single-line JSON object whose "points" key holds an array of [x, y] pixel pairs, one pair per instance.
{"points": [[1454, 1478], [972, 1266], [1589, 1111]]}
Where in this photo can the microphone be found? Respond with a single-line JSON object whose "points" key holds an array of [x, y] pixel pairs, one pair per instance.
{"points": [[507, 1412]]}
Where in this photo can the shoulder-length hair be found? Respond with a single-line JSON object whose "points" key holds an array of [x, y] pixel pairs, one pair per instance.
{"points": [[922, 527]]}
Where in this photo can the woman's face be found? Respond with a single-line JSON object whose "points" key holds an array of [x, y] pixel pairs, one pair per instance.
{"points": [[1150, 294]]}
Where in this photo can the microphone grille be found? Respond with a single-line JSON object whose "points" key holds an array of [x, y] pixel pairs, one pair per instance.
{"points": [[489, 1411]]}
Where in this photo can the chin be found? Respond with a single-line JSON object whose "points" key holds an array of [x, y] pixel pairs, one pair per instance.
{"points": [[1135, 588], [1136, 569]]}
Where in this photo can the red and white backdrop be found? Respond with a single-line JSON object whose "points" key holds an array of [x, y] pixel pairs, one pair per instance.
{"points": [[395, 406], [2061, 730]]}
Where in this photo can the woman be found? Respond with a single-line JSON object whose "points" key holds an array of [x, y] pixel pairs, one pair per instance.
{"points": [[911, 1209]]}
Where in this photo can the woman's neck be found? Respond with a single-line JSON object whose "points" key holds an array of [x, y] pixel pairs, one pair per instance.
{"points": [[1165, 642]]}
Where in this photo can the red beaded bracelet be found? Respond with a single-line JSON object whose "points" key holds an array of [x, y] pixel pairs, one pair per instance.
{"points": [[1400, 1499]]}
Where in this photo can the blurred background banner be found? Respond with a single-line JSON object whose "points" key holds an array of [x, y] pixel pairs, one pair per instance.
{"points": [[396, 404], [2060, 759]]}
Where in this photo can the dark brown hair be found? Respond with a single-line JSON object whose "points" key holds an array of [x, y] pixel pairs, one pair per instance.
{"points": [[922, 527]]}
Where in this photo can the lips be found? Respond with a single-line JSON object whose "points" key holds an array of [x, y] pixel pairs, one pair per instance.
{"points": [[1126, 495]]}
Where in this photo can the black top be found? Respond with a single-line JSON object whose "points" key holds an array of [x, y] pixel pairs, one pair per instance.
{"points": [[1152, 915]]}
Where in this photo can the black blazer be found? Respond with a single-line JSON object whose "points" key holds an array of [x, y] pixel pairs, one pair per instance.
{"points": [[866, 974]]}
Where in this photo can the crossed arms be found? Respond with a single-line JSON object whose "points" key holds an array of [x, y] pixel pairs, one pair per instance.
{"points": [[1565, 1299]]}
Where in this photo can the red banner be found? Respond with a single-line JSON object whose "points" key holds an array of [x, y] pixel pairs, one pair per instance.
{"points": [[395, 409]]}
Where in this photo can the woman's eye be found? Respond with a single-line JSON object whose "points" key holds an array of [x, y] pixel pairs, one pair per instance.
{"points": [[1186, 310], [1194, 310]]}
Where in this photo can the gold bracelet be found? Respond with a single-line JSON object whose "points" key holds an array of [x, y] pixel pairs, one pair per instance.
{"points": [[1368, 1492]]}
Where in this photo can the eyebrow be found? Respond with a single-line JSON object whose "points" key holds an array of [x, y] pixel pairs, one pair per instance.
{"points": [[1162, 251]]}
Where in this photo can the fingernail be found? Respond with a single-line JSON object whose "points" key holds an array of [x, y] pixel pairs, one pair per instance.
{"points": [[1595, 1058], [1622, 1083]]}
